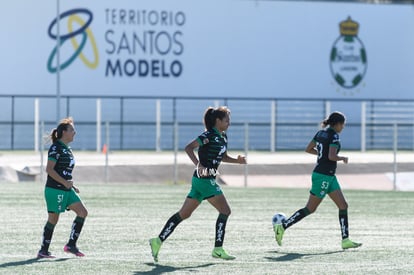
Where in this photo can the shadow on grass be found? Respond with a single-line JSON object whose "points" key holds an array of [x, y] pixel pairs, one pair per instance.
{"points": [[284, 257], [160, 269], [31, 261]]}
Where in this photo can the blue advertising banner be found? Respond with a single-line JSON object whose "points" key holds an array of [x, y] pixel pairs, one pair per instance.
{"points": [[283, 49]]}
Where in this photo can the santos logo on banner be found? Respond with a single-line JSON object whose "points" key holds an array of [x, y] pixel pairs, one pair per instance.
{"points": [[135, 42], [71, 34]]}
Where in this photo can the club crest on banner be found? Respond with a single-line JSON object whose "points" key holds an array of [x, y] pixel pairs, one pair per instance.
{"points": [[348, 59]]}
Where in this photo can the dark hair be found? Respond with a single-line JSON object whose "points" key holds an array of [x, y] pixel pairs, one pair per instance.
{"points": [[333, 119], [212, 114], [63, 126]]}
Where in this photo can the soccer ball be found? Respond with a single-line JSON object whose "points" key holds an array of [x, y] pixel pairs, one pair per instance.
{"points": [[278, 218]]}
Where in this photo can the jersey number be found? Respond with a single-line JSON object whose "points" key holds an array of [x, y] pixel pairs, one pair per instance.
{"points": [[320, 150]]}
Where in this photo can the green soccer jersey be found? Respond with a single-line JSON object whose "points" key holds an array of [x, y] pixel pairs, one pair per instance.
{"points": [[62, 155], [213, 146], [324, 139]]}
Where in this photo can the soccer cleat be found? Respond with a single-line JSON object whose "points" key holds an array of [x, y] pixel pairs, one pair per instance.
{"points": [[155, 244], [45, 255], [279, 231], [73, 250], [347, 243], [219, 252]]}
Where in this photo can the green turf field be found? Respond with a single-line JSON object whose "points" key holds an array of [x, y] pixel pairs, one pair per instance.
{"points": [[122, 217]]}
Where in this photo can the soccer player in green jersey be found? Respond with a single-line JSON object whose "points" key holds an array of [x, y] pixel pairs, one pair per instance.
{"points": [[326, 145], [212, 150], [60, 193]]}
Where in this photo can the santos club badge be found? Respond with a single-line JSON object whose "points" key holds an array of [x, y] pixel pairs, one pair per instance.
{"points": [[348, 60]]}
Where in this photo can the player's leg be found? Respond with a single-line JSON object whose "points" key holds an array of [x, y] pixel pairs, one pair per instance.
{"points": [[190, 204], [188, 207], [193, 200], [48, 229], [76, 205], [338, 197], [55, 204], [220, 203], [320, 185], [311, 206], [77, 226], [185, 212]]}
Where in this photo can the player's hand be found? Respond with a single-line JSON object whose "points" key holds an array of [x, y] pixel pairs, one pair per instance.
{"points": [[76, 189], [69, 184], [345, 160], [241, 159]]}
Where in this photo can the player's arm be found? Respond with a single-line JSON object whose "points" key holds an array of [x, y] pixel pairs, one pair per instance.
{"points": [[50, 170], [311, 148], [240, 159], [333, 155], [189, 149]]}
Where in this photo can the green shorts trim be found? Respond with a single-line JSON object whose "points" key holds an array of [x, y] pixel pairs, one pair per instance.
{"points": [[202, 189], [58, 200], [323, 184]]}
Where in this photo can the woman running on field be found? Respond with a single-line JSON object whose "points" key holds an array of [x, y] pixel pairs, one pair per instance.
{"points": [[60, 193], [326, 145], [212, 150]]}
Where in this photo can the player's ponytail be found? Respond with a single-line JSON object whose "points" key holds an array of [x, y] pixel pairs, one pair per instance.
{"points": [[209, 118], [333, 119], [53, 135]]}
